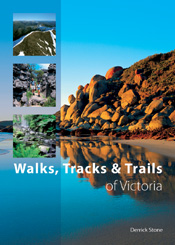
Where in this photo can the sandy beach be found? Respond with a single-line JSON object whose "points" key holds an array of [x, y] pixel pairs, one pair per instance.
{"points": [[164, 147]]}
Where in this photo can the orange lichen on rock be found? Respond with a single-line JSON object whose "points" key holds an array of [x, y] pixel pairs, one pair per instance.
{"points": [[112, 71], [138, 79]]}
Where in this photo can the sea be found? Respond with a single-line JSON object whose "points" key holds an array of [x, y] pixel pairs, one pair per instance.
{"points": [[49, 209]]}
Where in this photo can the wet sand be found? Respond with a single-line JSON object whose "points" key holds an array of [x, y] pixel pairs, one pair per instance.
{"points": [[166, 148]]}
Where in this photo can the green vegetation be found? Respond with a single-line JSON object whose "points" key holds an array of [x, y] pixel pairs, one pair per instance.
{"points": [[40, 74], [32, 44], [28, 95], [51, 102], [42, 123], [27, 145], [159, 72], [22, 28], [22, 151], [32, 68], [17, 119]]}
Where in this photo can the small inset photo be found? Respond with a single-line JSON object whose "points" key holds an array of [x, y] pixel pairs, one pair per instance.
{"points": [[34, 136], [34, 85], [34, 34]]}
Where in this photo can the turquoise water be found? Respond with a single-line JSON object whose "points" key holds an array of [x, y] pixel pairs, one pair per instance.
{"points": [[40, 209], [85, 202], [30, 204]]}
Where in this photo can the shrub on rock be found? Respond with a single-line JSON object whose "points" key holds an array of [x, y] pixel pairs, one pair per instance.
{"points": [[138, 71]]}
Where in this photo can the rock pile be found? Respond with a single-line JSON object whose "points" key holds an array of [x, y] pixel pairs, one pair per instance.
{"points": [[21, 84], [48, 83], [21, 77], [111, 104]]}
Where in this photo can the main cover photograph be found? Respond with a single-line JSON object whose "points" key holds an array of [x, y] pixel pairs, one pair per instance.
{"points": [[87, 127]]}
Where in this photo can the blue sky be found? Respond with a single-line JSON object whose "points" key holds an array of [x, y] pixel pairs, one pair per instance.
{"points": [[34, 16], [95, 36], [41, 66], [103, 34]]}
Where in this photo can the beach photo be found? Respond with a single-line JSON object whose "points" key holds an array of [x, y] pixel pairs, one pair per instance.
{"points": [[34, 85], [34, 136], [34, 34], [116, 135]]}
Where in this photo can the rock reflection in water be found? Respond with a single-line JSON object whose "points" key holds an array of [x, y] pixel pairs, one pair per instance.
{"points": [[104, 151]]}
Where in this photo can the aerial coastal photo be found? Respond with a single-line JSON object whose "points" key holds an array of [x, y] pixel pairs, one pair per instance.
{"points": [[34, 34], [34, 85]]}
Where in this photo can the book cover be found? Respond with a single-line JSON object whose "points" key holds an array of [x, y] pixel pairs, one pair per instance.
{"points": [[87, 123]]}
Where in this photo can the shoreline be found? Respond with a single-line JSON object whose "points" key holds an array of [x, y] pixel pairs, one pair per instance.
{"points": [[162, 147]]}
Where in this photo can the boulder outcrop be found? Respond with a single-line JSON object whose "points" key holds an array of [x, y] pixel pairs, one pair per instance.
{"points": [[112, 71], [121, 102], [21, 85]]}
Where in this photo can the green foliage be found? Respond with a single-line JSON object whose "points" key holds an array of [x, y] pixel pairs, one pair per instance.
{"points": [[42, 123], [22, 151], [40, 74], [29, 94], [15, 142], [19, 134], [17, 119], [32, 68], [29, 45], [21, 28], [51, 102]]}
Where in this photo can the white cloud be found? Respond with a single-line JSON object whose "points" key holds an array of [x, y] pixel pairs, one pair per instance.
{"points": [[44, 66]]}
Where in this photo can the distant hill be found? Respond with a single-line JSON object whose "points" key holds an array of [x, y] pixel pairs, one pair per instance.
{"points": [[21, 28], [6, 123], [38, 43], [6, 126]]}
